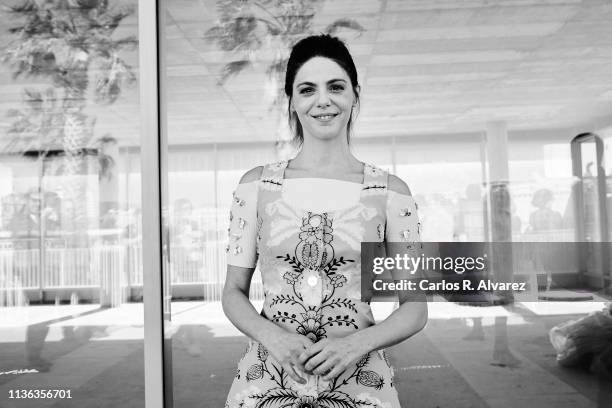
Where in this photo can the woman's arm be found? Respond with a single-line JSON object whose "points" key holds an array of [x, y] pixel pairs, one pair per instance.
{"points": [[406, 321], [411, 317], [239, 309], [285, 347]]}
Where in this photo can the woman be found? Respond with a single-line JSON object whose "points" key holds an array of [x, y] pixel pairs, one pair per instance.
{"points": [[315, 343]]}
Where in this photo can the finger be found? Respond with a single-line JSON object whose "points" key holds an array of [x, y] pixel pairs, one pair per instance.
{"points": [[315, 361], [293, 374], [324, 367], [307, 342], [335, 372], [313, 349], [295, 360]]}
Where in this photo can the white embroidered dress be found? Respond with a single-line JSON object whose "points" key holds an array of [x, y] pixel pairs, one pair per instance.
{"points": [[308, 252]]}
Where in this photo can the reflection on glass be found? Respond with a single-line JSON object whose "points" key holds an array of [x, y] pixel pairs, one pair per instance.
{"points": [[590, 192], [451, 209], [225, 61], [68, 234], [541, 191]]}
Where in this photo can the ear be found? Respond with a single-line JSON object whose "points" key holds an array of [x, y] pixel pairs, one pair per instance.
{"points": [[357, 93], [291, 108]]}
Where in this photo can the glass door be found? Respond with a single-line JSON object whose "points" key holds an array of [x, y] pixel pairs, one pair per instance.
{"points": [[222, 112], [71, 275], [216, 129], [590, 207]]}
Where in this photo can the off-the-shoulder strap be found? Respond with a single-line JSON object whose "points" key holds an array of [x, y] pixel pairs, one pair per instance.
{"points": [[272, 176], [375, 180]]}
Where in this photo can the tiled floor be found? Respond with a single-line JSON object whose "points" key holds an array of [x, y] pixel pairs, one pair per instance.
{"points": [[98, 354]]}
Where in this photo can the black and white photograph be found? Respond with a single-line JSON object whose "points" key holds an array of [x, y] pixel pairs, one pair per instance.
{"points": [[305, 203]]}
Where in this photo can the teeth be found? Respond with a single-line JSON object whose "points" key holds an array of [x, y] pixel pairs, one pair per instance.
{"points": [[325, 116]]}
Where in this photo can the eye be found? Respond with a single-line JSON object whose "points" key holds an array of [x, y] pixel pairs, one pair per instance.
{"points": [[336, 88], [306, 90]]}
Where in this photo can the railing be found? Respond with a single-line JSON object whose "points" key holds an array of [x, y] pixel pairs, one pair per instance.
{"points": [[116, 269], [113, 268]]}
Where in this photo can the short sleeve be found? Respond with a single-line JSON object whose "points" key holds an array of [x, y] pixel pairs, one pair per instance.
{"points": [[242, 232], [402, 219]]}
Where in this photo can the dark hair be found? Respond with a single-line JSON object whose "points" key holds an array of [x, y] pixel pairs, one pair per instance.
{"points": [[542, 197], [326, 46]]}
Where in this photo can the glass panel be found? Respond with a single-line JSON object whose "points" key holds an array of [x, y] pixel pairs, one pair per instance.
{"points": [[450, 208], [590, 192], [433, 76], [542, 202], [607, 139], [70, 260]]}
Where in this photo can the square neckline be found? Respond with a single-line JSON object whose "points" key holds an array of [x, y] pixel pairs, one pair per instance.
{"points": [[286, 164], [330, 212]]}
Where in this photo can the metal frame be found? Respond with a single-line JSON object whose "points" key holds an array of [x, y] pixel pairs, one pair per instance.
{"points": [[150, 134], [601, 183], [579, 203]]}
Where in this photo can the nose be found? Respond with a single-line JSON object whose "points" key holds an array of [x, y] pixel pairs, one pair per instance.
{"points": [[323, 100]]}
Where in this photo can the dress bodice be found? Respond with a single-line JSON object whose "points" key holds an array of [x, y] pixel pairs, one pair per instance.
{"points": [[309, 260]]}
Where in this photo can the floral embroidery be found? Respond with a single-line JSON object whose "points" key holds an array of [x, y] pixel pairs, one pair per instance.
{"points": [[380, 230], [363, 360], [306, 401], [314, 393], [241, 223], [374, 188], [239, 201], [271, 183], [347, 223], [262, 353], [309, 321], [405, 212], [243, 398], [373, 171], [258, 230], [338, 281], [315, 241], [311, 326], [370, 379], [310, 267], [255, 372], [368, 401]]}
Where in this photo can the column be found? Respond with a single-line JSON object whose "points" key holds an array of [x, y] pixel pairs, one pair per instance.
{"points": [[499, 217]]}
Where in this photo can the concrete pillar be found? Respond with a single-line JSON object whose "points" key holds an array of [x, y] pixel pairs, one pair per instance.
{"points": [[499, 217], [500, 222], [108, 252], [497, 151], [109, 183], [499, 196]]}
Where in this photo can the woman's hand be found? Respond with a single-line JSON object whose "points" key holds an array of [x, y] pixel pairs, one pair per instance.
{"points": [[286, 348], [330, 357]]}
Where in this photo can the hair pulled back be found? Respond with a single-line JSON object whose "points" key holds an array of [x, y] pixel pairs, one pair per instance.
{"points": [[326, 46]]}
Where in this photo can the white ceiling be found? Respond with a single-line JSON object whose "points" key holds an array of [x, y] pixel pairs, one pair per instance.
{"points": [[426, 66]]}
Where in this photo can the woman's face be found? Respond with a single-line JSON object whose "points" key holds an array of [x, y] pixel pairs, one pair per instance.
{"points": [[323, 98]]}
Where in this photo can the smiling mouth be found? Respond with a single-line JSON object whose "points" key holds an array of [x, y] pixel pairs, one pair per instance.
{"points": [[325, 117]]}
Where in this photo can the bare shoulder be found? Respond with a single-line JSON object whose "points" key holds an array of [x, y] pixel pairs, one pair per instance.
{"points": [[252, 175], [398, 185]]}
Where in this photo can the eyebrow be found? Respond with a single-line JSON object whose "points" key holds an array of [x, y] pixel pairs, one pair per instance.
{"points": [[329, 82]]}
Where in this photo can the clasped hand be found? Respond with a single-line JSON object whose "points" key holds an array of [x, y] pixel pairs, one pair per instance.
{"points": [[328, 357]]}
